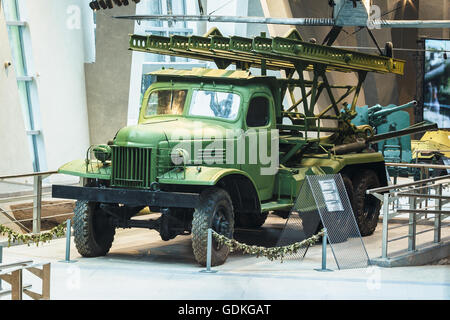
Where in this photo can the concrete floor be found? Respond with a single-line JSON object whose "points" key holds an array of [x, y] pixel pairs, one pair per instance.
{"points": [[142, 266]]}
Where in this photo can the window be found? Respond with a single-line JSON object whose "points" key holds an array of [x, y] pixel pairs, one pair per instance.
{"points": [[258, 114], [215, 104], [166, 102], [164, 28]]}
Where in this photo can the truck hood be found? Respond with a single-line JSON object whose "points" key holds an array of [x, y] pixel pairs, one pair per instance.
{"points": [[159, 129]]}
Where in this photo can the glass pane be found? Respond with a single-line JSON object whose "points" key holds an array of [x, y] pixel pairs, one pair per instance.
{"points": [[215, 104], [153, 7], [258, 112], [166, 102], [176, 7]]}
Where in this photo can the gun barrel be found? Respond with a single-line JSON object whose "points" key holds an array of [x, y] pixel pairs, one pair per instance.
{"points": [[388, 111], [357, 146], [420, 127], [361, 144]]}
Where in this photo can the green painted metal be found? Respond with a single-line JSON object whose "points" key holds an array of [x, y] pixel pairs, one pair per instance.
{"points": [[142, 154], [93, 170], [131, 167], [277, 53]]}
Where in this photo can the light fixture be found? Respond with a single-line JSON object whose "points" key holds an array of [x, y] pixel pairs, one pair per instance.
{"points": [[109, 4], [94, 5], [102, 4]]}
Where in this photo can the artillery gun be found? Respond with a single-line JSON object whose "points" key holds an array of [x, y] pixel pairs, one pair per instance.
{"points": [[378, 115], [216, 148]]}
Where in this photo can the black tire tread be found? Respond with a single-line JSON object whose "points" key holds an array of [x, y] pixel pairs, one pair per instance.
{"points": [[202, 220], [365, 180], [84, 238]]}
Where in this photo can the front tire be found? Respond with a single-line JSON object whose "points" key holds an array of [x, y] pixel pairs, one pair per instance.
{"points": [[214, 211], [93, 231]]}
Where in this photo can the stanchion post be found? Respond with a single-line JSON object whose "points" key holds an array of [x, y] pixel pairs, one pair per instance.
{"points": [[208, 253], [37, 204], [68, 235], [324, 252]]}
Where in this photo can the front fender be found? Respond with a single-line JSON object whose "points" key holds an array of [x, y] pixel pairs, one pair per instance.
{"points": [[95, 169], [200, 175]]}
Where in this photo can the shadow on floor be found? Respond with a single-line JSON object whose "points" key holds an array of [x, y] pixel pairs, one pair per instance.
{"points": [[179, 250]]}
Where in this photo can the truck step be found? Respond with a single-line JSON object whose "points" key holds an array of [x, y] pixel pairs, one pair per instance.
{"points": [[274, 205]]}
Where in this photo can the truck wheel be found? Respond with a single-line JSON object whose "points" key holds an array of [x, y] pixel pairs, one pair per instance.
{"points": [[93, 231], [365, 206], [214, 211], [251, 219]]}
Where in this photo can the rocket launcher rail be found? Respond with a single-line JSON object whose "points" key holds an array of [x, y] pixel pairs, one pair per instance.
{"points": [[279, 53]]}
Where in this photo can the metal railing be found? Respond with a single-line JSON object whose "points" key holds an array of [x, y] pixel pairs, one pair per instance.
{"points": [[37, 193], [425, 201], [13, 274], [424, 173]]}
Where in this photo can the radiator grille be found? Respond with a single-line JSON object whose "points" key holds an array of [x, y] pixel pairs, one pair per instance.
{"points": [[131, 167]]}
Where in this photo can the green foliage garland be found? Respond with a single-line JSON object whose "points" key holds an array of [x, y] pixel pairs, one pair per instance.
{"points": [[58, 231], [273, 253]]}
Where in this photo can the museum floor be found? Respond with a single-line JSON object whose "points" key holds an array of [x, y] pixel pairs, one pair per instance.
{"points": [[142, 266]]}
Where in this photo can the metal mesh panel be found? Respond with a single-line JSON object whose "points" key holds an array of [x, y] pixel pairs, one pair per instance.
{"points": [[302, 223], [337, 216]]}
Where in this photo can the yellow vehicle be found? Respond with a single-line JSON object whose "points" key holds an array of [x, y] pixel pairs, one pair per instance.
{"points": [[432, 148]]}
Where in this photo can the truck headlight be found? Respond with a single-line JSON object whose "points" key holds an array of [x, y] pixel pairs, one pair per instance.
{"points": [[102, 153], [179, 156]]}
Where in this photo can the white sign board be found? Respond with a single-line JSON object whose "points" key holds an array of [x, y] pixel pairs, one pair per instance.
{"points": [[331, 195]]}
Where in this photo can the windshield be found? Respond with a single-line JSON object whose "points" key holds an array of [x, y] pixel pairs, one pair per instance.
{"points": [[215, 104], [166, 102]]}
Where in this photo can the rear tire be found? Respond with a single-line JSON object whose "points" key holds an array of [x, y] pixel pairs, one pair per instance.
{"points": [[93, 231], [366, 207], [214, 211]]}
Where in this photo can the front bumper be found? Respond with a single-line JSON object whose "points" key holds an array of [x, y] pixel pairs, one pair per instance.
{"points": [[130, 197]]}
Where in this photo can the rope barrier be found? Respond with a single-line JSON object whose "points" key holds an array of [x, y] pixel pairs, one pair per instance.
{"points": [[273, 253]]}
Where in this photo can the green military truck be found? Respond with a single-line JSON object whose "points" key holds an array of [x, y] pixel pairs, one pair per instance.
{"points": [[216, 148]]}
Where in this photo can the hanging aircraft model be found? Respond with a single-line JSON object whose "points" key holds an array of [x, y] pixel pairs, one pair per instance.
{"points": [[345, 13]]}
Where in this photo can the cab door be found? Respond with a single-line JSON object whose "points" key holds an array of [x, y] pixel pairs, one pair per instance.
{"points": [[261, 144]]}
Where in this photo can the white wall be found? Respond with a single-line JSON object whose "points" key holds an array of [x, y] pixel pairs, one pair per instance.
{"points": [[58, 62], [15, 157]]}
